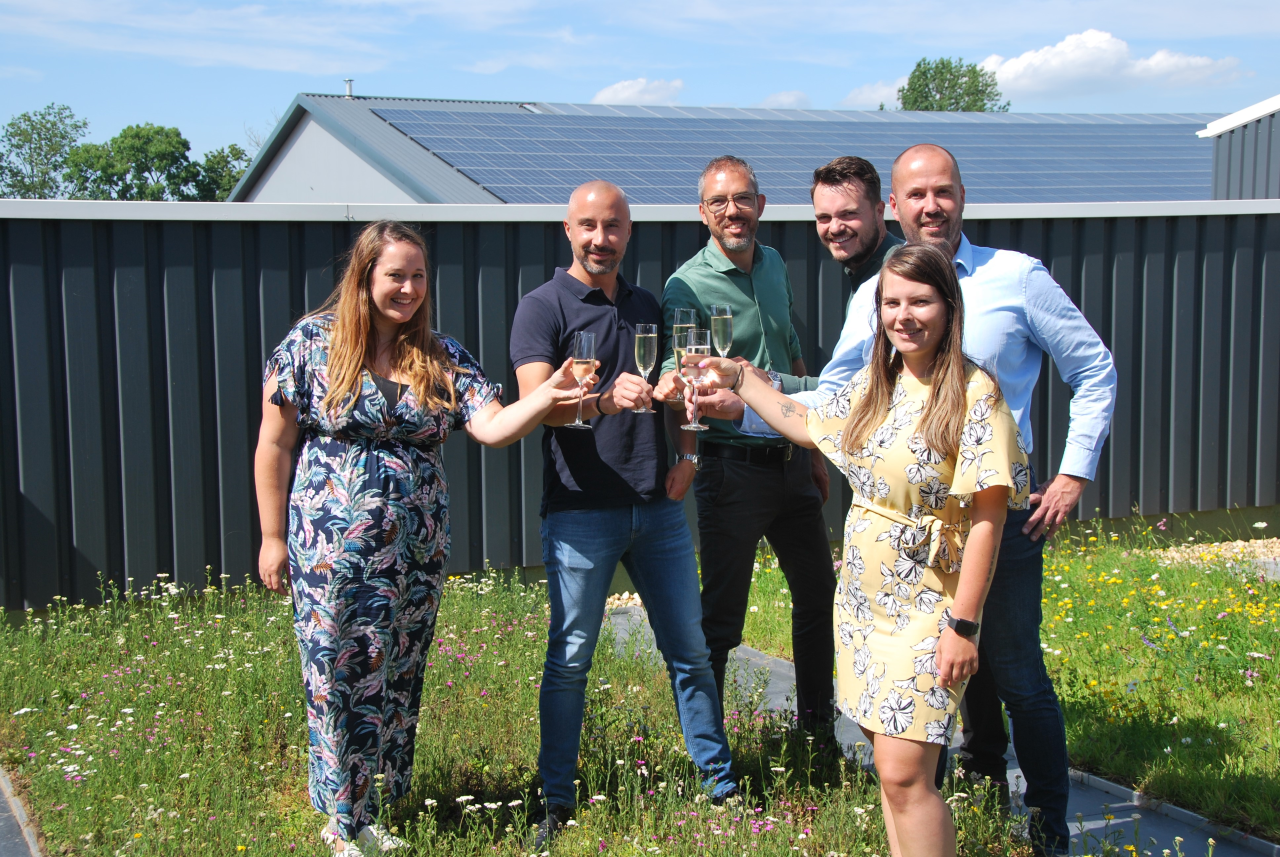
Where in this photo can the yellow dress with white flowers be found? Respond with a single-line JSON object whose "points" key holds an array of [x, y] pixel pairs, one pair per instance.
{"points": [[903, 544]]}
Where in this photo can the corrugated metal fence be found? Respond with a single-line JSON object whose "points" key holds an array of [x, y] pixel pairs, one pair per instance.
{"points": [[131, 349]]}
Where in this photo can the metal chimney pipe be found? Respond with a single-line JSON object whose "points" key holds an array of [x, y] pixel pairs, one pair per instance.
{"points": [[348, 81]]}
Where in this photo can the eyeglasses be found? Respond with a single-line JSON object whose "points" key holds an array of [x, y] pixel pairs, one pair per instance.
{"points": [[743, 201]]}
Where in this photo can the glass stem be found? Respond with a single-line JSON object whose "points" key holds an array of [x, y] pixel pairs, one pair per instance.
{"points": [[580, 397]]}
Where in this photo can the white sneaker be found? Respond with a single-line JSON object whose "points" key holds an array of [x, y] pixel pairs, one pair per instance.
{"points": [[376, 839], [332, 837]]}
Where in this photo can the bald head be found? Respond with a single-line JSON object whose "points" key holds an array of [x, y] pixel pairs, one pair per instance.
{"points": [[598, 225], [599, 195], [928, 155], [927, 196]]}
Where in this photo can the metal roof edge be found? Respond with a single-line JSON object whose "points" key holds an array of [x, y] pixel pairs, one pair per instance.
{"points": [[1241, 117], [305, 103], [68, 209], [280, 133], [332, 123]]}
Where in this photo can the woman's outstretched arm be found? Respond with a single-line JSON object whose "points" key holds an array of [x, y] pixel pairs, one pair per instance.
{"points": [[271, 463], [783, 414], [497, 426]]}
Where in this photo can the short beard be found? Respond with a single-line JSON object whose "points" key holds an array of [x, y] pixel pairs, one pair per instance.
{"points": [[857, 260], [737, 245], [948, 242], [597, 269]]}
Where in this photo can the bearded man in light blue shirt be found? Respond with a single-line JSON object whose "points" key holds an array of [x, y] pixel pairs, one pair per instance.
{"points": [[1014, 314]]}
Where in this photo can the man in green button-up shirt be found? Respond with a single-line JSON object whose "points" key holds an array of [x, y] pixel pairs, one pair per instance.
{"points": [[763, 334], [749, 487]]}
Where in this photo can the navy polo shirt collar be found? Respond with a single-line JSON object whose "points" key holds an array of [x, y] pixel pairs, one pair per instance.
{"points": [[582, 291]]}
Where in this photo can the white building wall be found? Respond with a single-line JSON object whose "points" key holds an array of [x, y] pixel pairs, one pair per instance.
{"points": [[314, 166]]}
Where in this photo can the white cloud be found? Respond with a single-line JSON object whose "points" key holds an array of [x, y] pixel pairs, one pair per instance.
{"points": [[17, 71], [245, 36], [793, 99], [870, 96], [640, 91], [1095, 61]]}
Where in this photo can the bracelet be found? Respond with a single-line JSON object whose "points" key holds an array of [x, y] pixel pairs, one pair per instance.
{"points": [[741, 374], [602, 411]]}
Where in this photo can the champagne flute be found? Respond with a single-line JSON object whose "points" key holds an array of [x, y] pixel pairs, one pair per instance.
{"points": [[584, 363], [646, 355], [684, 321], [698, 345], [722, 328]]}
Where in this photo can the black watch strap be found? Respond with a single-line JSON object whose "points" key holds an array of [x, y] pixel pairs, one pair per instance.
{"points": [[963, 627]]}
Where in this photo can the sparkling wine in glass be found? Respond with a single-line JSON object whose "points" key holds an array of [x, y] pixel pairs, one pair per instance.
{"points": [[646, 355], [584, 363], [684, 321], [722, 328], [698, 345]]}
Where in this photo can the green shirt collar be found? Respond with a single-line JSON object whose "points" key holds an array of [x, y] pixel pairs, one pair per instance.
{"points": [[718, 261]]}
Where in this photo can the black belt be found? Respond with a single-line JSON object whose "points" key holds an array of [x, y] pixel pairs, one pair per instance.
{"points": [[770, 456]]}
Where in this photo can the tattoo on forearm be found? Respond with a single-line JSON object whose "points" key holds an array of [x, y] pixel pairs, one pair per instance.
{"points": [[788, 409]]}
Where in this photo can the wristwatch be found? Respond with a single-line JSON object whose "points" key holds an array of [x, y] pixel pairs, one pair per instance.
{"points": [[775, 379], [963, 627], [694, 457]]}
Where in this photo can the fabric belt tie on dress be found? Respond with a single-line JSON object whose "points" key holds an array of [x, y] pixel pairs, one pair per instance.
{"points": [[935, 529]]}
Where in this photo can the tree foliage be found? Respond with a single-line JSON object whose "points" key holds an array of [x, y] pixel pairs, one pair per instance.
{"points": [[41, 158], [34, 148], [147, 162], [951, 85], [220, 172]]}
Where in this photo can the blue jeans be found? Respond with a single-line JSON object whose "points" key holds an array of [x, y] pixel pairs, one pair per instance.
{"points": [[1011, 669], [581, 550]]}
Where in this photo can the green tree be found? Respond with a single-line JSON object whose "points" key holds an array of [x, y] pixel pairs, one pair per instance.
{"points": [[146, 162], [34, 148], [219, 173], [951, 85]]}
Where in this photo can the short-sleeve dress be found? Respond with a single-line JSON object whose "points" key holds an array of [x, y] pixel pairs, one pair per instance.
{"points": [[903, 543], [368, 545]]}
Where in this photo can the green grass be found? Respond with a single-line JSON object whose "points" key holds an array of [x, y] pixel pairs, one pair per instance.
{"points": [[1166, 669], [166, 724]]}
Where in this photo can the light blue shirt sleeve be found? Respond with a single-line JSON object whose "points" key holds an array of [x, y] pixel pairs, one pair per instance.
{"points": [[1084, 363], [850, 355]]}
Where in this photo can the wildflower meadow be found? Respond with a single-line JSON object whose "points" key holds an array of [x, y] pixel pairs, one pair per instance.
{"points": [[172, 722], [168, 723], [1165, 660]]}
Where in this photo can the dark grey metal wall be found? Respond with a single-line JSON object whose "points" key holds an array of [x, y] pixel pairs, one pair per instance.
{"points": [[1246, 161], [131, 353]]}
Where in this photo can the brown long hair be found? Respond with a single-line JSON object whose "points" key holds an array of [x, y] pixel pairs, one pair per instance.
{"points": [[416, 352], [944, 414]]}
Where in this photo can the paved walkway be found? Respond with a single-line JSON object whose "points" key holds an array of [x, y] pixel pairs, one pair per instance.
{"points": [[17, 839], [1091, 803]]}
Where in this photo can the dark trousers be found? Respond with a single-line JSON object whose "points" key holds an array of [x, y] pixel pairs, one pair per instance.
{"points": [[1011, 669], [739, 502]]}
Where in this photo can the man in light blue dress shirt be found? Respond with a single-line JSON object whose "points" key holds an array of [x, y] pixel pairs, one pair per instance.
{"points": [[1014, 314]]}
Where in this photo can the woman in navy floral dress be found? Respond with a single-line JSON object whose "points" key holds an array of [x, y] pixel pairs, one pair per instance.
{"points": [[371, 392]]}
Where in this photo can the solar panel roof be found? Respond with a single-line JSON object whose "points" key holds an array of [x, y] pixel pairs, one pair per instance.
{"points": [[537, 153]]}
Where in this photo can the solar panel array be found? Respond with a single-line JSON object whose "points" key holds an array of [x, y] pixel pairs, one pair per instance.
{"points": [[540, 157]]}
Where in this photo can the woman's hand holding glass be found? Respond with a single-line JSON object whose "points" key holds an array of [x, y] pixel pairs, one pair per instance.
{"points": [[563, 386]]}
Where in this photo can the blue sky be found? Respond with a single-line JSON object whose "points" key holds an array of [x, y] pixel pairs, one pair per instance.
{"points": [[214, 69]]}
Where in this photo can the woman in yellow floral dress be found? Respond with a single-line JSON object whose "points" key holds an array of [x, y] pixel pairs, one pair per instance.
{"points": [[935, 460]]}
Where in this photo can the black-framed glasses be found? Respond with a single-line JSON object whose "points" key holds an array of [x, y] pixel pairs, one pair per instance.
{"points": [[743, 202]]}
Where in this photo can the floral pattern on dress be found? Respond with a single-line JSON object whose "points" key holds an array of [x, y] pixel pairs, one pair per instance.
{"points": [[903, 547], [368, 546]]}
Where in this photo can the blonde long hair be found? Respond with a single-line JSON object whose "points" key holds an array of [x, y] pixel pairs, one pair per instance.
{"points": [[417, 352], [944, 414]]}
